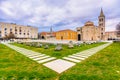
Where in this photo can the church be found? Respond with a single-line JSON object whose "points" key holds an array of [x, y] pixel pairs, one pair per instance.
{"points": [[90, 32]]}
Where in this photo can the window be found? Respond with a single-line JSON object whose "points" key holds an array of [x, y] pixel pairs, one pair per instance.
{"points": [[101, 33], [101, 28], [20, 29], [10, 29], [102, 19], [5, 29], [15, 29]]}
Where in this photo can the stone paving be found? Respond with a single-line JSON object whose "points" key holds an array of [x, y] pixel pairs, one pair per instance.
{"points": [[59, 65], [78, 57], [38, 57]]}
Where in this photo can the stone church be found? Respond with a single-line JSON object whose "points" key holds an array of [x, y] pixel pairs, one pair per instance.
{"points": [[90, 32]]}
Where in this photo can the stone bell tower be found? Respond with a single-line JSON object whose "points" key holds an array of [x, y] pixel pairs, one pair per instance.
{"points": [[102, 25]]}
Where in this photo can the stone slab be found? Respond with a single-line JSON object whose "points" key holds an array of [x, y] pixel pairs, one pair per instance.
{"points": [[81, 58], [59, 65], [36, 56], [46, 60], [39, 58], [71, 59]]}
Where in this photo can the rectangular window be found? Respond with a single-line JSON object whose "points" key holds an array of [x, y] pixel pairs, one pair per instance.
{"points": [[5, 29], [101, 28], [10, 29]]}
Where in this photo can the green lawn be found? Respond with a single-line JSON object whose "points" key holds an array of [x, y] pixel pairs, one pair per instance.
{"points": [[13, 64], [59, 54], [104, 65]]}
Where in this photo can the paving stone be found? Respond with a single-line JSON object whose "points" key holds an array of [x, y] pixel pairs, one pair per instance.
{"points": [[82, 54], [59, 65], [81, 58], [71, 59], [41, 58], [36, 56], [33, 55], [46, 60]]}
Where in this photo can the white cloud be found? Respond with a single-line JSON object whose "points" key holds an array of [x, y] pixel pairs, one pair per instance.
{"points": [[51, 12], [111, 24]]}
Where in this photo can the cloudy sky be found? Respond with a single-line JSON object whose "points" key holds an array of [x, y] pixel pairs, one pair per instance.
{"points": [[60, 14]]}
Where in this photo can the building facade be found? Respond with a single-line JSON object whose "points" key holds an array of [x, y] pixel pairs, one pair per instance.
{"points": [[111, 35], [19, 31], [66, 35], [90, 32], [47, 35]]}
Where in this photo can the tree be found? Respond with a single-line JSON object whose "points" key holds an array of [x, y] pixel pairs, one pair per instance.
{"points": [[10, 36], [118, 29]]}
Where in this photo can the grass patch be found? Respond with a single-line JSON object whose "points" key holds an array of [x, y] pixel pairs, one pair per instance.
{"points": [[105, 65], [15, 65], [59, 54]]}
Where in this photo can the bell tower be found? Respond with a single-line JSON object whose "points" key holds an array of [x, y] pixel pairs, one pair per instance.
{"points": [[102, 25]]}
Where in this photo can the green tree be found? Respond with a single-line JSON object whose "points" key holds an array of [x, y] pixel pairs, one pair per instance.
{"points": [[10, 36]]}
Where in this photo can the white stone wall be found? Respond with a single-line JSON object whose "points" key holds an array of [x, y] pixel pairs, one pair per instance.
{"points": [[26, 31]]}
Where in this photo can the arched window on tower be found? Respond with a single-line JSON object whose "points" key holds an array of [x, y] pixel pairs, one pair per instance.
{"points": [[101, 28]]}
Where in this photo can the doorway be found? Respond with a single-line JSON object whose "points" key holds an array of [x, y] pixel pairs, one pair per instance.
{"points": [[79, 37], [61, 37]]}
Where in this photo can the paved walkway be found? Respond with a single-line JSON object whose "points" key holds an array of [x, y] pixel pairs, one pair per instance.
{"points": [[78, 57], [58, 65], [40, 58]]}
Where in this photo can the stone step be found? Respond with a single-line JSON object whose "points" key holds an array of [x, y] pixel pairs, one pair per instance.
{"points": [[46, 60], [71, 59], [40, 58], [31, 55], [75, 57], [36, 56], [81, 56]]}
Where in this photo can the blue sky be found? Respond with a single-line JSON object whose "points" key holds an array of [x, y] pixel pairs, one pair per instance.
{"points": [[60, 14]]}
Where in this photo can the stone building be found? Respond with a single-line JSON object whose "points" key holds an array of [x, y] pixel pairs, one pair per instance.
{"points": [[20, 31], [47, 35], [66, 35], [111, 35], [90, 32]]}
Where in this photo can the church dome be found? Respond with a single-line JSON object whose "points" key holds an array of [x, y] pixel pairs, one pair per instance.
{"points": [[89, 23]]}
